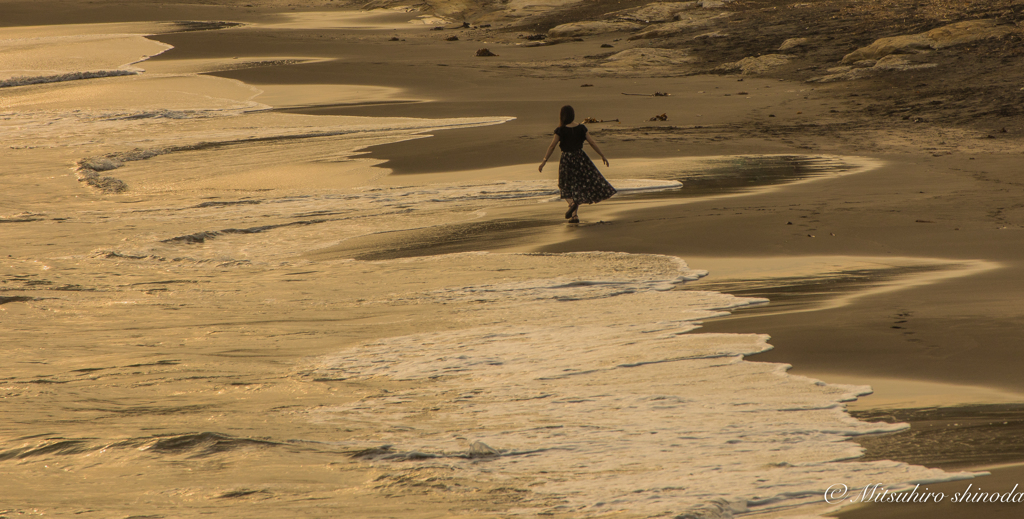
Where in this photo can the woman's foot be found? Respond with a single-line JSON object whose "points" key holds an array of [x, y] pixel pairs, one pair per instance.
{"points": [[572, 209], [574, 219]]}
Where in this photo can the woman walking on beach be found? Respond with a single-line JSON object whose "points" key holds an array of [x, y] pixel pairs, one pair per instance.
{"points": [[579, 181]]}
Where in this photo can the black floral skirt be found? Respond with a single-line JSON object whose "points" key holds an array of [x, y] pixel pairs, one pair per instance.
{"points": [[580, 181]]}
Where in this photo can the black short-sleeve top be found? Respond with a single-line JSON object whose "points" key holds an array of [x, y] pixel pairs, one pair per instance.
{"points": [[571, 138]]}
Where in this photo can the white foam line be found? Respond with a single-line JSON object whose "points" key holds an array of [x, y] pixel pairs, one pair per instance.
{"points": [[128, 66], [623, 408]]}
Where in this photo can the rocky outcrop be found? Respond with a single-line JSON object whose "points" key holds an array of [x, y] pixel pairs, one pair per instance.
{"points": [[866, 68], [954, 34], [793, 43], [686, 22], [756, 65], [648, 57], [900, 64], [714, 4], [657, 12], [576, 29], [480, 11], [710, 35], [846, 73]]}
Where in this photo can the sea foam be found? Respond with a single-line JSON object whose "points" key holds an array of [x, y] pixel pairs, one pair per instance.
{"points": [[590, 392], [576, 381]]}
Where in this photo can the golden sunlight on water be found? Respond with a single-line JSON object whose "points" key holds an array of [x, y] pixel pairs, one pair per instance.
{"points": [[186, 332]]}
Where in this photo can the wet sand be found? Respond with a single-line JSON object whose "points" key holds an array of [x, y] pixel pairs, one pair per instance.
{"points": [[960, 334], [960, 206]]}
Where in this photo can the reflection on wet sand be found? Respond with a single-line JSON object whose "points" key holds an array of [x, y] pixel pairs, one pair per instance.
{"points": [[807, 284], [172, 351], [741, 174], [434, 240]]}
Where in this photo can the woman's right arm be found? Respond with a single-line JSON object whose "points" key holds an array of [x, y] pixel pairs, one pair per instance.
{"points": [[598, 150], [551, 148]]}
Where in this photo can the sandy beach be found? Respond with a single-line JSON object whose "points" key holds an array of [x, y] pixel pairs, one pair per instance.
{"points": [[295, 258]]}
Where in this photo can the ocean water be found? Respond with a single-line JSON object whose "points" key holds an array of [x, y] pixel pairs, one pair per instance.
{"points": [[182, 337]]}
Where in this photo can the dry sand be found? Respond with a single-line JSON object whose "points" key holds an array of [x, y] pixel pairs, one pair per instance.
{"points": [[946, 194]]}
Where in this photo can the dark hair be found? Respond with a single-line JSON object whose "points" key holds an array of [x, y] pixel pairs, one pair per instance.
{"points": [[566, 115]]}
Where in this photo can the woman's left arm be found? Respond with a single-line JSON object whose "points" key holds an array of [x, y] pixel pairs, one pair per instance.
{"points": [[598, 150]]}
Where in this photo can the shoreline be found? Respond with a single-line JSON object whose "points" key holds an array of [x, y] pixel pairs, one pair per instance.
{"points": [[401, 157], [1000, 480], [796, 340], [979, 376]]}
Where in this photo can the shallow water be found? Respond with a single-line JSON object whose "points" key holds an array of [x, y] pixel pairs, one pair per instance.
{"points": [[210, 308], [951, 436]]}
